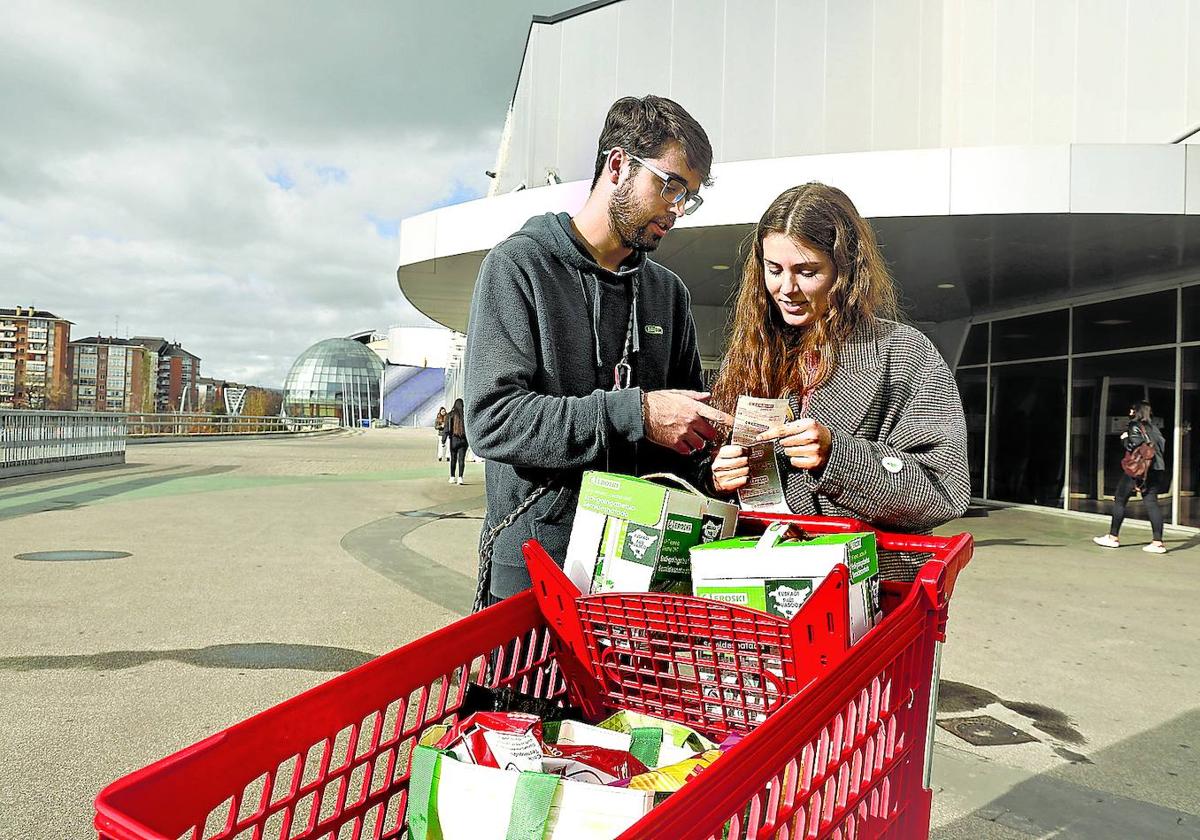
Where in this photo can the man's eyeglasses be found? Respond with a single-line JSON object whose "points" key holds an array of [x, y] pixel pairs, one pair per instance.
{"points": [[674, 190]]}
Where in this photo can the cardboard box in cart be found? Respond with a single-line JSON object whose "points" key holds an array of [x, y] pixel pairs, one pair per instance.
{"points": [[777, 576], [634, 535]]}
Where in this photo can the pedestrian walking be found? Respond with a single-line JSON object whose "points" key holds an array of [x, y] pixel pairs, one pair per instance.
{"points": [[1140, 433], [456, 435], [439, 424]]}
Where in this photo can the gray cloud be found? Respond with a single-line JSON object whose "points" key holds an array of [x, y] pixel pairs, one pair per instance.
{"points": [[230, 174]]}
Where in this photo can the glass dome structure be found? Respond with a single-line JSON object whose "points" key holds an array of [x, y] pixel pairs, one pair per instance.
{"points": [[337, 377]]}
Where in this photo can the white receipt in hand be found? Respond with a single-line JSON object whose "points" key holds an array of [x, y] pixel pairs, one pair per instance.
{"points": [[764, 487]]}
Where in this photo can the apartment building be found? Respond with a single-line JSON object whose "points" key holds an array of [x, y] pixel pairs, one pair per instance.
{"points": [[33, 359], [112, 374], [177, 374]]}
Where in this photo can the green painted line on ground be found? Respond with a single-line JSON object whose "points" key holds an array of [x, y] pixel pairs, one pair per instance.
{"points": [[79, 488], [190, 483]]}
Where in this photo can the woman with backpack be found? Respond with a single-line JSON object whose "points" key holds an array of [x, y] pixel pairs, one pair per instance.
{"points": [[1139, 432], [456, 436]]}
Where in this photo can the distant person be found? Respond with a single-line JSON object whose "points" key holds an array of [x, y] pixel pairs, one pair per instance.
{"points": [[879, 433], [439, 424], [456, 434], [1140, 430], [581, 351]]}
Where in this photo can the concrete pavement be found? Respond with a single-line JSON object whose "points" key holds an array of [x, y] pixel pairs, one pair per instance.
{"points": [[260, 568]]}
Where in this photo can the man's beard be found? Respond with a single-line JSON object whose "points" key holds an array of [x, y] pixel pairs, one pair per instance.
{"points": [[630, 220]]}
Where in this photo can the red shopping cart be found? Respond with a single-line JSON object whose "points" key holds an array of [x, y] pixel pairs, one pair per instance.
{"points": [[837, 737]]}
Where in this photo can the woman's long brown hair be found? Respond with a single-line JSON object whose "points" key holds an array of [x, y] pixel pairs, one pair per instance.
{"points": [[764, 355]]}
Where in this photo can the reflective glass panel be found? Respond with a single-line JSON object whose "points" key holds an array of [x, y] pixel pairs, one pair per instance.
{"points": [[1189, 450], [972, 387], [1029, 408], [1030, 336], [1102, 389], [1191, 313], [1125, 322], [974, 350]]}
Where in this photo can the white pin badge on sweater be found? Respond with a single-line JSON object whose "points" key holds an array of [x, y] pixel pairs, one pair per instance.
{"points": [[892, 464]]}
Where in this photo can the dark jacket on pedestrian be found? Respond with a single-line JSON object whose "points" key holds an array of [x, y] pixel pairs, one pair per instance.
{"points": [[547, 326], [898, 458], [1139, 433], [456, 429]]}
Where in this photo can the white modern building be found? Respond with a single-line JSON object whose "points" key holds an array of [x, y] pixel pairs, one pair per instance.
{"points": [[1031, 169]]}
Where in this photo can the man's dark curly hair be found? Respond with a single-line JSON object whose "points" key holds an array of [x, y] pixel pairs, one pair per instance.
{"points": [[646, 126]]}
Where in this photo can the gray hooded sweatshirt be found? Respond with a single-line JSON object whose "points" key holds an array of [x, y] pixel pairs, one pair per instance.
{"points": [[547, 326]]}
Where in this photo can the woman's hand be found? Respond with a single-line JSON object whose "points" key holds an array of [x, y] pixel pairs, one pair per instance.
{"points": [[805, 442], [730, 469]]}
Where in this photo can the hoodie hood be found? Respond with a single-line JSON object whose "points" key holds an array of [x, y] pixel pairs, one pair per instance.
{"points": [[553, 232]]}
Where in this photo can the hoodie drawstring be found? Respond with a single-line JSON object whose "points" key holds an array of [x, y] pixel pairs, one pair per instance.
{"points": [[632, 340]]}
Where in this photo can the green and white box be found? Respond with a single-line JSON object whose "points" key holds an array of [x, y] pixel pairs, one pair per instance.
{"points": [[777, 576], [634, 535]]}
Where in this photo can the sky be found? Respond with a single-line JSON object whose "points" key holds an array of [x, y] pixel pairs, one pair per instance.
{"points": [[231, 175]]}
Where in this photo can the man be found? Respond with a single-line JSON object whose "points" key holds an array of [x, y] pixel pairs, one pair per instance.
{"points": [[581, 352]]}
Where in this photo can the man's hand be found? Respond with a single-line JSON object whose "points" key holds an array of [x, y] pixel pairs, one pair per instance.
{"points": [[805, 442], [683, 420], [731, 468]]}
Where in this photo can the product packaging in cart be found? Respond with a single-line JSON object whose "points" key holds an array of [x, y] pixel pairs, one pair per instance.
{"points": [[634, 535], [777, 576]]}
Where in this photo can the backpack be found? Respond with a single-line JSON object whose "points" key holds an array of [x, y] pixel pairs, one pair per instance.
{"points": [[1137, 461]]}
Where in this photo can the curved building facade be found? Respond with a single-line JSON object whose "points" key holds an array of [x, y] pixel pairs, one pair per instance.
{"points": [[337, 377], [1031, 170]]}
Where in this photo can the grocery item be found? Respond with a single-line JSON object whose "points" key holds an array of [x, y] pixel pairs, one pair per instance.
{"points": [[634, 535], [589, 763], [506, 740], [777, 575], [672, 777]]}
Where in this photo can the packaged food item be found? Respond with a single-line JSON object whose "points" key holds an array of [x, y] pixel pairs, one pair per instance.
{"points": [[672, 777], [634, 535], [589, 763], [505, 740], [777, 575]]}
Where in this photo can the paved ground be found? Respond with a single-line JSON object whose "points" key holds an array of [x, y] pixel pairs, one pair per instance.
{"points": [[260, 568]]}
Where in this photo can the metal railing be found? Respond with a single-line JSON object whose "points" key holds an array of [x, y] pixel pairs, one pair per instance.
{"points": [[36, 441], [206, 425]]}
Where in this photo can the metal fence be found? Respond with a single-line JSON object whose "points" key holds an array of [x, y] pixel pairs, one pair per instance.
{"points": [[206, 425], [41, 441]]}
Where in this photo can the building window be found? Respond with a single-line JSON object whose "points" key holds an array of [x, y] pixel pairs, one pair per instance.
{"points": [[1191, 314], [1030, 336], [1102, 389], [975, 348], [1136, 321], [1028, 430], [972, 387]]}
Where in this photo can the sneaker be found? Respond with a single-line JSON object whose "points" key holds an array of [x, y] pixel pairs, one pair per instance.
{"points": [[1155, 548], [451, 479], [1107, 541], [460, 479]]}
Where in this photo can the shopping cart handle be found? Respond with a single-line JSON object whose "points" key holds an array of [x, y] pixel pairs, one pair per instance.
{"points": [[556, 598]]}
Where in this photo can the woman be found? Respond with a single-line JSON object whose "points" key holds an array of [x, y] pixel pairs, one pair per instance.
{"points": [[456, 436], [439, 424], [1140, 430], [879, 433]]}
